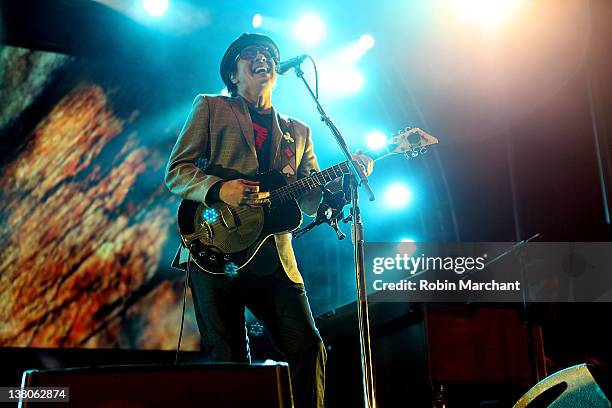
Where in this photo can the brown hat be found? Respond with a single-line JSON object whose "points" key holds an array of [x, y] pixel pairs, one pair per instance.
{"points": [[245, 40]]}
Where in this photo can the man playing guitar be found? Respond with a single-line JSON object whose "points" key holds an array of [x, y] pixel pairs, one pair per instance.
{"points": [[225, 142]]}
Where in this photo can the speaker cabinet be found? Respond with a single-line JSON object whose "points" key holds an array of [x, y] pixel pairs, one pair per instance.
{"points": [[417, 347], [201, 385], [580, 386]]}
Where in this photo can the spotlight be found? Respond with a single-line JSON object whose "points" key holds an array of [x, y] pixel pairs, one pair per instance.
{"points": [[340, 80], [488, 13], [397, 196], [366, 42], [407, 247], [309, 30], [376, 140], [257, 20], [155, 8], [224, 92], [354, 80]]}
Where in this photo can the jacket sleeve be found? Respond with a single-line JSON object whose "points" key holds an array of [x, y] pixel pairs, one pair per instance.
{"points": [[183, 176], [309, 203]]}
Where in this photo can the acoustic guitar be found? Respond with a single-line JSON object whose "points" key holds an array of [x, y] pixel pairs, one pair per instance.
{"points": [[223, 239]]}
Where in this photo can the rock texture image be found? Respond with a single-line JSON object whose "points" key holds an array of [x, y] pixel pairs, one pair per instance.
{"points": [[24, 74], [80, 243]]}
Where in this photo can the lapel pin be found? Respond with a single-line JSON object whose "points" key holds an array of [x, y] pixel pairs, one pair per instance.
{"points": [[288, 137]]}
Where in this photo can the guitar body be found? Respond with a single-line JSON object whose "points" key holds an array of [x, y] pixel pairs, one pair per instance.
{"points": [[223, 239]]}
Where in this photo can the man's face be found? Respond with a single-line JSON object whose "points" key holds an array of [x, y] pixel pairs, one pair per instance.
{"points": [[255, 70]]}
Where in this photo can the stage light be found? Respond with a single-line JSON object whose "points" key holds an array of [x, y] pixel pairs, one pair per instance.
{"points": [[366, 42], [353, 81], [339, 80], [487, 13], [376, 140], [407, 247], [309, 30], [224, 92], [350, 54], [397, 195], [348, 82], [210, 215], [257, 20], [231, 269], [354, 51], [155, 8]]}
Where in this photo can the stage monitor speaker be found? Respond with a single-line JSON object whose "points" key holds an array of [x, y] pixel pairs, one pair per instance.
{"points": [[580, 386], [139, 386]]}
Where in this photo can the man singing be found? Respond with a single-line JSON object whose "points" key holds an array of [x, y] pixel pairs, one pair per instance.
{"points": [[224, 140]]}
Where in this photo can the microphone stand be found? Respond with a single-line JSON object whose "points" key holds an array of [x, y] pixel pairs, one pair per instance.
{"points": [[358, 179]]}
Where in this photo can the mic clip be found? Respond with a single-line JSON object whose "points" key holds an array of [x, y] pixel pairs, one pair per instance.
{"points": [[330, 211]]}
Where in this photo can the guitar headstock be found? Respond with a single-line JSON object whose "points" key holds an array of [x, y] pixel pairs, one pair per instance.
{"points": [[411, 142]]}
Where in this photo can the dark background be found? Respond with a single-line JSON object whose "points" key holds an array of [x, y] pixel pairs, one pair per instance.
{"points": [[91, 102]]}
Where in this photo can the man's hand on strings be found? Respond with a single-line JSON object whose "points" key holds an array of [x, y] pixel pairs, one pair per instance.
{"points": [[242, 192], [366, 162]]}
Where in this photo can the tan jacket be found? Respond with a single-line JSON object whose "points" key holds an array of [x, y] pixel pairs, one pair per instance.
{"points": [[217, 143]]}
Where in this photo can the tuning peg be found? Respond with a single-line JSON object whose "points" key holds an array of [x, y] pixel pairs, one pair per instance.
{"points": [[408, 128], [423, 150]]}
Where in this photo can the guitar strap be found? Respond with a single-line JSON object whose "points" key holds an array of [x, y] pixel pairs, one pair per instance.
{"points": [[287, 148]]}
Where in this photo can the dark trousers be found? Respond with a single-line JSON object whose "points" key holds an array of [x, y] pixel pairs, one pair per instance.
{"points": [[280, 305]]}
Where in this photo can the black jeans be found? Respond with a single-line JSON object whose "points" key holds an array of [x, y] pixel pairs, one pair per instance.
{"points": [[280, 305]]}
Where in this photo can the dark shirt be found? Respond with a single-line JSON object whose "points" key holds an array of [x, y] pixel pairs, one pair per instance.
{"points": [[262, 130], [266, 261]]}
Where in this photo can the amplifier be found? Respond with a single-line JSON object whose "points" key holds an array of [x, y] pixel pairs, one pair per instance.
{"points": [[209, 385]]}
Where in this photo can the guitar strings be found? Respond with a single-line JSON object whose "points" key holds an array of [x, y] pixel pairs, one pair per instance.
{"points": [[286, 192]]}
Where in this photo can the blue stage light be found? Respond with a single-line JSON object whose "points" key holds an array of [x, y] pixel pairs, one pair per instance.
{"points": [[309, 30], [210, 215], [366, 42], [257, 20], [407, 240], [231, 269], [339, 80], [398, 195], [155, 8], [353, 81], [376, 140]]}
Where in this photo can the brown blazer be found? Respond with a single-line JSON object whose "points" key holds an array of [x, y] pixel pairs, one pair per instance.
{"points": [[217, 143]]}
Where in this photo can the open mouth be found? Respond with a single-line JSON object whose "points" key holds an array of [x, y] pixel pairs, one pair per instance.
{"points": [[260, 69]]}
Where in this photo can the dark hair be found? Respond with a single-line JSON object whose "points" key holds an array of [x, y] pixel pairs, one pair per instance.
{"points": [[231, 87]]}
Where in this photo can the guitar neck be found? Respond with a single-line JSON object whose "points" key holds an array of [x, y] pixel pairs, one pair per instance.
{"points": [[316, 180]]}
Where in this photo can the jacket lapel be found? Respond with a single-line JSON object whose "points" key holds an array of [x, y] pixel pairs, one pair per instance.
{"points": [[241, 110], [277, 137]]}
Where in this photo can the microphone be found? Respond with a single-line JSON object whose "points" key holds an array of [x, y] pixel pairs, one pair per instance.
{"points": [[283, 67]]}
